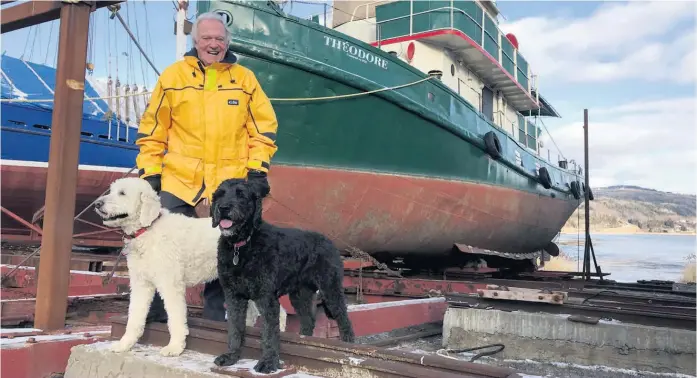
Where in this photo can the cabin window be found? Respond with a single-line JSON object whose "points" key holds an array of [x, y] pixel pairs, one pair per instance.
{"points": [[452, 69], [488, 103], [521, 130]]}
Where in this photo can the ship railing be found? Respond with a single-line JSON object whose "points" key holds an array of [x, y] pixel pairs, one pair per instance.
{"points": [[530, 75], [367, 8]]}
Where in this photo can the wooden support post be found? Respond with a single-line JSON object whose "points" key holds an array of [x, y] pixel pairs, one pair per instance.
{"points": [[56, 244]]}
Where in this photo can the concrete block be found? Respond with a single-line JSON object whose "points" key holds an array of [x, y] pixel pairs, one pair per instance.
{"points": [[143, 361], [553, 338]]}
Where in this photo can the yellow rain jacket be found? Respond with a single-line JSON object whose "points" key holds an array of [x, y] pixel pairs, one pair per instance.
{"points": [[214, 122]]}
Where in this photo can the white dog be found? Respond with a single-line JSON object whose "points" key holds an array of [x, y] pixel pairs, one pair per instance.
{"points": [[166, 252]]}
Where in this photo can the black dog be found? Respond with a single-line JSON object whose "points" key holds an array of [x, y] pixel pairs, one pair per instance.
{"points": [[262, 262]]}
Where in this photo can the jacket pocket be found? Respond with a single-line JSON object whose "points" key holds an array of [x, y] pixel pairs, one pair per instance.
{"points": [[233, 162], [182, 167]]}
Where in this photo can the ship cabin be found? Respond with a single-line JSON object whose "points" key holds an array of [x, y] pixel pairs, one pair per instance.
{"points": [[462, 41]]}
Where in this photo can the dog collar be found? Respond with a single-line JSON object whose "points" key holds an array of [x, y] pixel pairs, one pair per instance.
{"points": [[241, 244], [237, 246], [139, 231]]}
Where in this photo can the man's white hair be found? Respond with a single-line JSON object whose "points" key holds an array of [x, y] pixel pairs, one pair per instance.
{"points": [[209, 16]]}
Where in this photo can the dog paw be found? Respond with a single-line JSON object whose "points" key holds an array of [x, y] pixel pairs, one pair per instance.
{"points": [[122, 346], [226, 359], [172, 350], [267, 365]]}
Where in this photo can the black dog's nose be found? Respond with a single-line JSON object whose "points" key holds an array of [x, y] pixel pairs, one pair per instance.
{"points": [[98, 204]]}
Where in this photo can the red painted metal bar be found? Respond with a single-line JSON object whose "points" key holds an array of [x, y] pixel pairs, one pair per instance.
{"points": [[96, 225], [20, 220], [52, 350], [99, 232]]}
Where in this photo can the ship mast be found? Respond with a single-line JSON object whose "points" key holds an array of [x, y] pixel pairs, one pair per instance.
{"points": [[181, 36]]}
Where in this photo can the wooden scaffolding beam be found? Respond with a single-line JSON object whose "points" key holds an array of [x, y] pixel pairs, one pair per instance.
{"points": [[36, 12]]}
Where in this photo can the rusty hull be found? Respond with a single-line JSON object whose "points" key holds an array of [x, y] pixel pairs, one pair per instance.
{"points": [[374, 212], [409, 215], [24, 193]]}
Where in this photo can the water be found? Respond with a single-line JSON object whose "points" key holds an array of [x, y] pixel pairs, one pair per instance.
{"points": [[634, 257]]}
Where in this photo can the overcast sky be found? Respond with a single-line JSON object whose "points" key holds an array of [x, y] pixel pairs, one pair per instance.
{"points": [[632, 64]]}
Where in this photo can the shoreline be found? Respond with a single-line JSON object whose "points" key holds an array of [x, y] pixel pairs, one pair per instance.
{"points": [[622, 231]]}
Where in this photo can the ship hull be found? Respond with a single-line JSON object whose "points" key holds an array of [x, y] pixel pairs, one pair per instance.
{"points": [[427, 180], [378, 213], [24, 170], [401, 172]]}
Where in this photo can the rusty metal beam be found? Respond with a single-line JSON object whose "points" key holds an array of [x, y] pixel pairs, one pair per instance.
{"points": [[56, 243], [36, 12]]}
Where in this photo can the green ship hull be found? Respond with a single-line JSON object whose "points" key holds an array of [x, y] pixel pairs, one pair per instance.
{"points": [[400, 172]]}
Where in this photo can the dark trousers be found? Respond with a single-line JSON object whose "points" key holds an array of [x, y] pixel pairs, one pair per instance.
{"points": [[213, 297]]}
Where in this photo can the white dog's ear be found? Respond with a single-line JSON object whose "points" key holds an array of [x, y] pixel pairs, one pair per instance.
{"points": [[149, 207]]}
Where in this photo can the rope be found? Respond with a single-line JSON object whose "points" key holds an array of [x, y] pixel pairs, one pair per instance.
{"points": [[272, 99]]}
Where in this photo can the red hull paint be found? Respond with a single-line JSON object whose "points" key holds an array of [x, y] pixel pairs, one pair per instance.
{"points": [[374, 212], [24, 193], [377, 212]]}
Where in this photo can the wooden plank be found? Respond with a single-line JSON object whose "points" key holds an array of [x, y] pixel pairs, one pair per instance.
{"points": [[522, 294], [36, 12], [30, 13]]}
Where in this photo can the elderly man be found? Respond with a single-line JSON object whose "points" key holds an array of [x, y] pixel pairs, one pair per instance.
{"points": [[214, 120]]}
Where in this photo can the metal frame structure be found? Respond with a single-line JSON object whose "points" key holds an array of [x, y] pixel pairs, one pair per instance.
{"points": [[57, 234]]}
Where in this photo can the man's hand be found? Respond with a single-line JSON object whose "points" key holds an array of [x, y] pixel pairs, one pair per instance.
{"points": [[155, 181], [260, 178]]}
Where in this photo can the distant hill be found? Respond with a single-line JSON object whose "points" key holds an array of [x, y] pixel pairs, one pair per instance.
{"points": [[639, 209]]}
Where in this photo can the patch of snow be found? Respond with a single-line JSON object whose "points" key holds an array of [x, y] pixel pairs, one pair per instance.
{"points": [[355, 361], [84, 296], [608, 369], [85, 272], [598, 368], [19, 342], [189, 360], [372, 306], [613, 321], [18, 330]]}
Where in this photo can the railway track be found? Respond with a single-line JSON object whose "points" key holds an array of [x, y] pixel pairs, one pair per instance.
{"points": [[320, 356], [653, 303]]}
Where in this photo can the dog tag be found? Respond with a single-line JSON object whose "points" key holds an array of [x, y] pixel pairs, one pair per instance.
{"points": [[235, 259]]}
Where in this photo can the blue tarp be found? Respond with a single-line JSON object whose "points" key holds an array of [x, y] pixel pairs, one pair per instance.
{"points": [[37, 81]]}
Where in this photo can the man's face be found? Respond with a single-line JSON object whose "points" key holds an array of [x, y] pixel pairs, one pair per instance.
{"points": [[210, 44]]}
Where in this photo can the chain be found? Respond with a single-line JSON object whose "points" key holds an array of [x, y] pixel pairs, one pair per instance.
{"points": [[358, 253]]}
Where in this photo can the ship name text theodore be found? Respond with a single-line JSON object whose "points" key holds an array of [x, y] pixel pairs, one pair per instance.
{"points": [[355, 52]]}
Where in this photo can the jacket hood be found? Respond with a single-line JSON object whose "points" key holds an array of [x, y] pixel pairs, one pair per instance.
{"points": [[229, 57]]}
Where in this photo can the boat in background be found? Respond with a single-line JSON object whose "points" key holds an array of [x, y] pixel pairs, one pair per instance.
{"points": [[107, 152], [406, 129], [445, 160]]}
